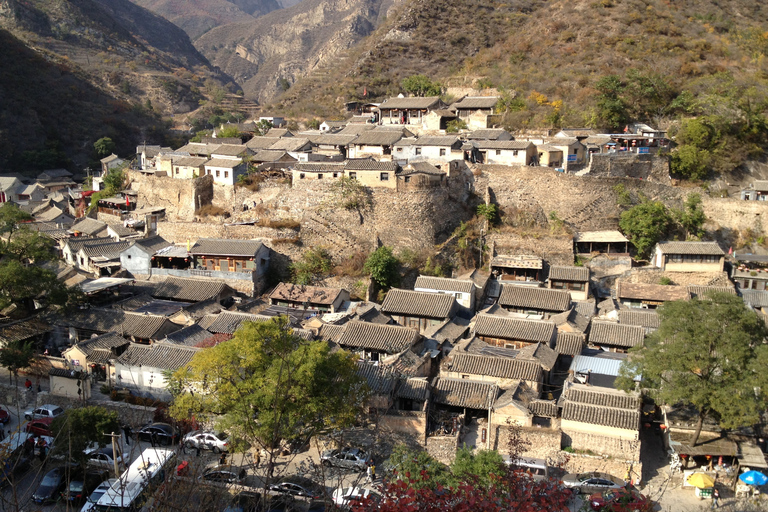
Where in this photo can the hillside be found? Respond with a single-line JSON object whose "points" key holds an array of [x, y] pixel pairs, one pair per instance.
{"points": [[269, 54], [78, 70], [196, 17]]}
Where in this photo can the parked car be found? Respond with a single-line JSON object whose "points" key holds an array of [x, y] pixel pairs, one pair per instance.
{"points": [[620, 500], [298, 486], [39, 427], [244, 501], [104, 457], [5, 416], [283, 503], [97, 493], [44, 411], [163, 433], [224, 474], [350, 496], [349, 458], [81, 485], [216, 442], [592, 482], [49, 487], [13, 464]]}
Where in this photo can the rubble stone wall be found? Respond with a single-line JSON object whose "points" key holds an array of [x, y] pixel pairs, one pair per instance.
{"points": [[541, 443], [443, 448], [645, 167], [413, 423], [624, 449], [180, 198]]}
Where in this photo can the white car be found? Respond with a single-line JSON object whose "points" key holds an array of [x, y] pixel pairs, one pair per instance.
{"points": [[44, 411], [349, 496], [97, 493], [104, 457], [216, 442]]}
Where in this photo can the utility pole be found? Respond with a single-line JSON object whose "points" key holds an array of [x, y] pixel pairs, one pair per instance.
{"points": [[114, 452]]}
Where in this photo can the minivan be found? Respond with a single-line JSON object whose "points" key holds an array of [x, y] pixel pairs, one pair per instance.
{"points": [[536, 467]]}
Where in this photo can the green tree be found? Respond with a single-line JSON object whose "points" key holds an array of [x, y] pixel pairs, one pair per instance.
{"points": [[488, 211], [690, 162], [383, 267], [645, 224], [104, 147], [79, 429], [612, 109], [421, 85], [691, 218], [229, 131], [267, 384], [15, 356], [314, 264], [417, 466], [455, 126], [263, 126], [484, 465], [350, 194], [708, 353]]}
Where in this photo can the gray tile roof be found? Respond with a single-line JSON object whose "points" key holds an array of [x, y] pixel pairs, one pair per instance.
{"points": [[22, 330], [334, 139], [190, 336], [331, 332], [444, 284], [503, 144], [225, 247], [279, 132], [291, 144], [695, 248], [261, 142], [106, 341], [152, 244], [378, 138], [122, 231], [189, 161], [368, 164], [619, 335], [301, 293], [464, 393], [319, 166], [89, 226], [421, 304], [514, 328], [605, 416], [702, 291], [225, 163], [617, 400], [527, 297], [578, 274], [109, 250], [269, 155], [198, 310], [499, 367], [476, 102], [100, 356], [380, 380], [410, 103], [541, 354], [126, 323], [412, 389], [189, 290], [654, 292], [391, 339], [647, 318], [543, 408], [437, 141], [229, 321], [421, 168], [569, 343], [231, 149], [159, 355], [757, 299], [488, 134]]}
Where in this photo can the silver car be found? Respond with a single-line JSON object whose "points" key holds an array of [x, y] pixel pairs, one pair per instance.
{"points": [[349, 458], [44, 411], [216, 442], [592, 482]]}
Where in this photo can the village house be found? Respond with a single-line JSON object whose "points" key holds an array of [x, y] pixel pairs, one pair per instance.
{"points": [[438, 119], [190, 290], [100, 259], [505, 152], [757, 192], [526, 268], [29, 193], [475, 110], [188, 167], [575, 152], [137, 257], [516, 333], [573, 279], [548, 156], [489, 134], [408, 110], [647, 319], [688, 257], [375, 341], [614, 337], [110, 162], [261, 142], [375, 143], [648, 296], [332, 126], [317, 170], [137, 327], [93, 354], [463, 290], [538, 302], [750, 272], [418, 310], [238, 260], [54, 215], [332, 145], [304, 297], [298, 147], [9, 185], [272, 159], [55, 180], [71, 246], [225, 171], [608, 242], [436, 149], [142, 369], [147, 154], [421, 175], [504, 372], [372, 173], [227, 322]]}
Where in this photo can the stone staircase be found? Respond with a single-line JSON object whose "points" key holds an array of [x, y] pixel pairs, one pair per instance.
{"points": [[592, 214], [323, 231]]}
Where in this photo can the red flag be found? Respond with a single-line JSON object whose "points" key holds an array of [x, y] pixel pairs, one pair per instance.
{"points": [[127, 202], [730, 251], [365, 91], [626, 128]]}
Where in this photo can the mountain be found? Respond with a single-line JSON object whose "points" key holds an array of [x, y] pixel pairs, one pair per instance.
{"points": [[78, 70], [196, 17], [269, 54]]}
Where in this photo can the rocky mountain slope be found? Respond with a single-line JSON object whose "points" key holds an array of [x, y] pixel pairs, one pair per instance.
{"points": [[196, 17], [269, 54], [78, 70]]}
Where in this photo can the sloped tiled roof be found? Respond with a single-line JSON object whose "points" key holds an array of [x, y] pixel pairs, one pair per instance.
{"points": [[331, 332], [225, 247], [368, 164], [262, 142], [756, 298], [189, 161], [189, 290], [654, 292], [499, 367], [126, 323], [410, 103], [122, 231], [386, 338], [380, 380], [534, 298], [616, 400], [421, 168], [444, 284], [619, 335], [702, 291], [108, 250], [422, 304], [270, 155], [190, 335], [22, 330], [52, 214], [487, 134], [464, 393], [694, 248], [290, 144], [541, 354], [198, 310], [105, 341], [476, 102], [514, 328], [447, 140], [226, 163], [152, 244], [560, 273], [334, 139], [159, 355], [378, 138], [89, 226], [605, 416], [412, 389], [231, 149], [229, 321], [643, 318], [503, 144], [301, 293], [569, 343], [543, 408]]}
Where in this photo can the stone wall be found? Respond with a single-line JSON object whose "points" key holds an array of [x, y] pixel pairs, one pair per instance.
{"points": [[542, 443], [412, 423], [645, 167], [135, 415], [610, 446], [578, 463], [180, 198], [443, 448]]}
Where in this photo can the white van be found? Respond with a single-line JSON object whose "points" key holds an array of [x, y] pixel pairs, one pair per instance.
{"points": [[536, 467]]}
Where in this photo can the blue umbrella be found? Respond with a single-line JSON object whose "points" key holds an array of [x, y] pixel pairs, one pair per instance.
{"points": [[753, 477]]}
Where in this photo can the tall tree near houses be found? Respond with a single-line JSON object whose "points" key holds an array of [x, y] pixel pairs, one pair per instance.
{"points": [[708, 353]]}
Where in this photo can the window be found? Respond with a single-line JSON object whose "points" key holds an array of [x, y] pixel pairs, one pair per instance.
{"points": [[442, 151], [335, 175], [384, 176], [177, 170], [301, 176], [514, 153], [129, 256], [218, 173], [209, 172], [399, 150], [457, 295], [407, 179], [353, 175], [498, 152], [226, 174], [418, 151], [319, 175]]}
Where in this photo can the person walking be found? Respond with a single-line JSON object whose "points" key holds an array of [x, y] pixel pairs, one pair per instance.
{"points": [[257, 459], [27, 384], [371, 473], [223, 459], [715, 498], [128, 433], [42, 446]]}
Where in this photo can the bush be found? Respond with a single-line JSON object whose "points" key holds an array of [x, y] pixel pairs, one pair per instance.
{"points": [[665, 281], [281, 224], [383, 266], [353, 266], [211, 211], [286, 240]]}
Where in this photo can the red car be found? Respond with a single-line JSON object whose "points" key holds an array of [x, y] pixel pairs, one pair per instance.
{"points": [[39, 427], [4, 416], [620, 500]]}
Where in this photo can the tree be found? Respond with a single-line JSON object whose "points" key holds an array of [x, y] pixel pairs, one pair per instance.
{"points": [[690, 162], [488, 211], [455, 126], [79, 429], [417, 467], [314, 264], [691, 218], [104, 146], [485, 466], [263, 126], [707, 353], [612, 110], [268, 385], [421, 85], [350, 194], [645, 224], [15, 356], [229, 131], [383, 267]]}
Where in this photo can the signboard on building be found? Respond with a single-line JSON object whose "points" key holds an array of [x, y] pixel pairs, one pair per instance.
{"points": [[572, 159], [643, 150]]}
